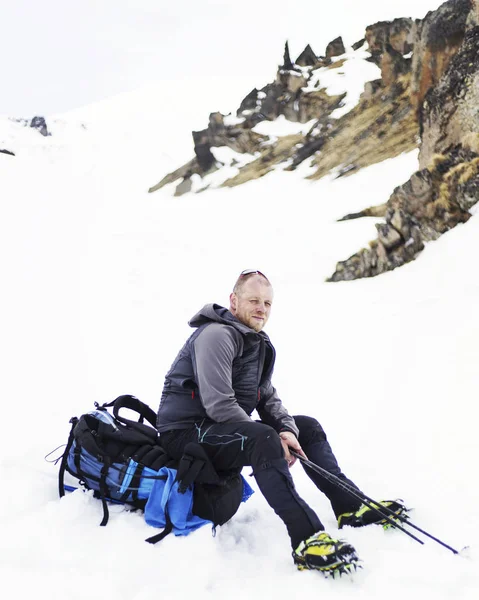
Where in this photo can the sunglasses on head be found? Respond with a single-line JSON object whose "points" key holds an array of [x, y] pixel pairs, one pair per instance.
{"points": [[247, 272]]}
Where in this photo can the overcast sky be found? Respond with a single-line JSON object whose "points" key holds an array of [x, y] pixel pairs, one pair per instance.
{"points": [[59, 55]]}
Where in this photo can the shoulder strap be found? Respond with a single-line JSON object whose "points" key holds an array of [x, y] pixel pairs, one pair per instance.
{"points": [[131, 402], [144, 412]]}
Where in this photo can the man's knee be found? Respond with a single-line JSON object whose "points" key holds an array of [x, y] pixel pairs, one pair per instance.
{"points": [[264, 443], [310, 431]]}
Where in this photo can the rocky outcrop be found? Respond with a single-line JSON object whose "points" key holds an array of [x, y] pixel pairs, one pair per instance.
{"points": [[427, 95], [383, 114], [450, 113], [287, 96], [40, 125], [432, 202], [239, 138], [445, 94], [381, 126], [438, 37], [335, 48], [359, 44], [307, 58], [287, 63], [397, 35]]}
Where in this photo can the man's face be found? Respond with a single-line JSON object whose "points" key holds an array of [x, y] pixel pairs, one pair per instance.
{"points": [[252, 304]]}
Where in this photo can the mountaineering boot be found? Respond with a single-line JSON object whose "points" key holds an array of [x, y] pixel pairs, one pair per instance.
{"points": [[367, 516], [322, 553]]}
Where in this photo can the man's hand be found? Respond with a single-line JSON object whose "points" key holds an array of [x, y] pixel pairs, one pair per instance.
{"points": [[289, 440]]}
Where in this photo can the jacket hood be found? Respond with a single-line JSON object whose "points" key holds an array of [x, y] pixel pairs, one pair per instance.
{"points": [[218, 314]]}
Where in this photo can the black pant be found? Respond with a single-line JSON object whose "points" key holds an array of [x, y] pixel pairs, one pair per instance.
{"points": [[235, 445]]}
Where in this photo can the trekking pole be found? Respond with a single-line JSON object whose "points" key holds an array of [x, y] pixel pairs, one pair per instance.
{"points": [[352, 492], [367, 501]]}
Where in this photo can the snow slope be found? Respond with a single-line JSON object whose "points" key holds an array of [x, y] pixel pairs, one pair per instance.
{"points": [[99, 280]]}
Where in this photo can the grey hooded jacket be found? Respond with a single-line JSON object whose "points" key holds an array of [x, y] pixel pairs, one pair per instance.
{"points": [[222, 374]]}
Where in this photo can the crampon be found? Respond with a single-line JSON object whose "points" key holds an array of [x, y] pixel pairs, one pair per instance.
{"points": [[333, 558], [365, 515]]}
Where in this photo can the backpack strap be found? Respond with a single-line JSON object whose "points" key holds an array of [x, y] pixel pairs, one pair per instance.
{"points": [[104, 491], [154, 539], [63, 464], [133, 485]]}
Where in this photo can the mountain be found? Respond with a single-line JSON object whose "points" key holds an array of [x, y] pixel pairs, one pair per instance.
{"points": [[406, 84]]}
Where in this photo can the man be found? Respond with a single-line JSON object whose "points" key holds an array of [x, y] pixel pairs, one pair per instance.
{"points": [[220, 376]]}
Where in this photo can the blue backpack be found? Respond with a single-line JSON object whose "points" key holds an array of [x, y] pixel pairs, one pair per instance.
{"points": [[122, 462]]}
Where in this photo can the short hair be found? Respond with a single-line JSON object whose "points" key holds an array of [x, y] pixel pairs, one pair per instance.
{"points": [[244, 277]]}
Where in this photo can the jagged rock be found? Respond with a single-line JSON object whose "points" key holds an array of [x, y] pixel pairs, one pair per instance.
{"points": [[216, 124], [399, 34], [346, 170], [335, 48], [248, 103], [388, 236], [461, 177], [393, 65], [343, 145], [238, 138], [432, 202], [306, 150], [184, 187], [372, 211], [291, 81], [3, 151], [40, 125], [287, 64], [438, 37], [449, 113], [269, 105], [307, 58], [204, 156], [184, 172], [358, 44]]}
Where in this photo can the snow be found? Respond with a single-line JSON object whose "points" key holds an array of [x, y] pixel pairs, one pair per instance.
{"points": [[350, 76], [99, 280], [228, 162], [281, 127]]}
